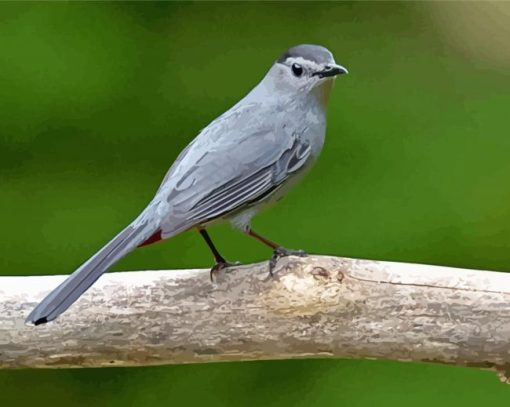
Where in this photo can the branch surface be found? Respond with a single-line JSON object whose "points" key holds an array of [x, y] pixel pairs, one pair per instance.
{"points": [[314, 307]]}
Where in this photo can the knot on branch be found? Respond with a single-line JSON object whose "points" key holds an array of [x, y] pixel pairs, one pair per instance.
{"points": [[303, 287]]}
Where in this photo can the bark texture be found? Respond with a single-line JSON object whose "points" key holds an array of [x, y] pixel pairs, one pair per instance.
{"points": [[313, 307]]}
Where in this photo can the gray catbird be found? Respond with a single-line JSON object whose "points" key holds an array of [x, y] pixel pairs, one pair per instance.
{"points": [[244, 160]]}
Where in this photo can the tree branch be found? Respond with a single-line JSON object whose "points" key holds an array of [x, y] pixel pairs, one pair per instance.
{"points": [[313, 307]]}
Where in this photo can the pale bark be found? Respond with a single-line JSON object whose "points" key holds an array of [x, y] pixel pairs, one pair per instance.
{"points": [[315, 307]]}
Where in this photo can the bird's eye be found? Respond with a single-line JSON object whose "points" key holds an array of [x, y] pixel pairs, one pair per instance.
{"points": [[297, 69]]}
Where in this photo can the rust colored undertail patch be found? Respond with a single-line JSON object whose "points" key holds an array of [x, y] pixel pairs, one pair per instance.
{"points": [[155, 237]]}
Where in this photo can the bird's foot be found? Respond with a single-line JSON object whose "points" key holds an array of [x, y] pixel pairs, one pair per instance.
{"points": [[283, 252], [221, 265]]}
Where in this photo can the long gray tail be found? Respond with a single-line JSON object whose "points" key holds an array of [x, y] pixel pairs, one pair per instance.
{"points": [[77, 283]]}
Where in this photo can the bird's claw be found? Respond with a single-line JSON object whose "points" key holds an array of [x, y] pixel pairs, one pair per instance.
{"points": [[215, 270], [283, 252]]}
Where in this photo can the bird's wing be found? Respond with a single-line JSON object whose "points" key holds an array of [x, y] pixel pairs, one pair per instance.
{"points": [[235, 161], [251, 186]]}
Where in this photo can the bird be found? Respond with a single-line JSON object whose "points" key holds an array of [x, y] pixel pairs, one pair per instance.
{"points": [[246, 159]]}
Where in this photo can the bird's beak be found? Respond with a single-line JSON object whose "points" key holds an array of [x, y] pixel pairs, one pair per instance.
{"points": [[331, 70]]}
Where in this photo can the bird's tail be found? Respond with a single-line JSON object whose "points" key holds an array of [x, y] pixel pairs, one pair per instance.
{"points": [[77, 283]]}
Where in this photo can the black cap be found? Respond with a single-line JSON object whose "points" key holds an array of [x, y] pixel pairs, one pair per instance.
{"points": [[315, 53]]}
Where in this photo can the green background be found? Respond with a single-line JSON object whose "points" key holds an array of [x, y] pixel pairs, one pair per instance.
{"points": [[96, 101]]}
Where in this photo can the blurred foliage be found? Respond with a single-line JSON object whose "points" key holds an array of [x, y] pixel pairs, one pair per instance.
{"points": [[97, 99]]}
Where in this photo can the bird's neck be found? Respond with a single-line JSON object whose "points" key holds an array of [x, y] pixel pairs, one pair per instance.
{"points": [[270, 89]]}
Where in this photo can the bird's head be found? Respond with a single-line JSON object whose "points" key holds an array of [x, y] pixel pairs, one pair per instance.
{"points": [[305, 69]]}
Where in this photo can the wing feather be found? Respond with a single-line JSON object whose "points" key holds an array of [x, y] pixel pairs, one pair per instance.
{"points": [[237, 197], [247, 189]]}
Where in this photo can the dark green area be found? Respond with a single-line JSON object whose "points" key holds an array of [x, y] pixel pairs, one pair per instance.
{"points": [[97, 100]]}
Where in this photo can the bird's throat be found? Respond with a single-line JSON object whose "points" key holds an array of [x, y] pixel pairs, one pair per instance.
{"points": [[323, 91]]}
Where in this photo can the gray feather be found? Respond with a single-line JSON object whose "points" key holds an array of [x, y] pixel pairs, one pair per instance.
{"points": [[225, 169], [78, 282], [253, 187]]}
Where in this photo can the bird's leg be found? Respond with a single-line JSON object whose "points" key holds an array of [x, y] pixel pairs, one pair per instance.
{"points": [[220, 262], [278, 251]]}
